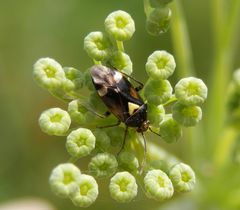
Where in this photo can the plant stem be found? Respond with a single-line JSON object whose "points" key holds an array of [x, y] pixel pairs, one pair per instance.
{"points": [[147, 7], [222, 67], [120, 46], [180, 38], [225, 146]]}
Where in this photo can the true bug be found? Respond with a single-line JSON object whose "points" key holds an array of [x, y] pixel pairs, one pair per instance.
{"points": [[121, 99]]}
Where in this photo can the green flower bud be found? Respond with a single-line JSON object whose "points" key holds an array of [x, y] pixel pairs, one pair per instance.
{"points": [[97, 45], [116, 135], [157, 91], [160, 65], [122, 62], [158, 158], [191, 91], [103, 141], [96, 102], [48, 73], [74, 79], [123, 187], [63, 179], [86, 193], [128, 161], [54, 121], [157, 185], [88, 80], [77, 111], [236, 77], [186, 115], [103, 165], [170, 130], [158, 21], [159, 3], [155, 114], [183, 177], [119, 25], [80, 142]]}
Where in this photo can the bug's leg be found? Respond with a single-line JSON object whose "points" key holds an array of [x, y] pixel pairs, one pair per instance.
{"points": [[106, 114], [109, 126], [144, 156], [124, 141], [138, 88]]}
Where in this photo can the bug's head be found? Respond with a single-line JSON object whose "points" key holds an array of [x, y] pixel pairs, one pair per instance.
{"points": [[144, 126]]}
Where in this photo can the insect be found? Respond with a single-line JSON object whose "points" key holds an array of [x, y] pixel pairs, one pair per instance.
{"points": [[121, 99]]}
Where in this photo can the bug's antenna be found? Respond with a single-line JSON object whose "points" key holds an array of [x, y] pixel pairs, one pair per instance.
{"points": [[154, 132], [145, 154]]}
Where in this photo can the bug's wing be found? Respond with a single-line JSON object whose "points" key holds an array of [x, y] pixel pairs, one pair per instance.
{"points": [[106, 82], [115, 91], [116, 103]]}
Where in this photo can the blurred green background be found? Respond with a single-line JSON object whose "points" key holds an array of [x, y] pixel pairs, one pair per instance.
{"points": [[32, 29]]}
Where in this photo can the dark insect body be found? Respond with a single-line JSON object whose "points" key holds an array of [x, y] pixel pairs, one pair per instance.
{"points": [[122, 100], [120, 97]]}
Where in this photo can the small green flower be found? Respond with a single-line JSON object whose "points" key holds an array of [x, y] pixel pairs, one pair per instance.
{"points": [[122, 62], [155, 114], [128, 161], [186, 115], [236, 77], [123, 187], [159, 3], [103, 141], [74, 79], [96, 102], [88, 80], [170, 130], [191, 91], [159, 158], [157, 185], [115, 137], [120, 25], [86, 193], [183, 177], [158, 21], [54, 121], [157, 91], [77, 111], [160, 65], [103, 165], [48, 73], [80, 142], [63, 179], [97, 45]]}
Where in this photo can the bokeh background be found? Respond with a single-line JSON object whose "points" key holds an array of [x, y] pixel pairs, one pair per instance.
{"points": [[31, 29]]}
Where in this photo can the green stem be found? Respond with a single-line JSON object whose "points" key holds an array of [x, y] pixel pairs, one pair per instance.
{"points": [[225, 146], [222, 68], [120, 46], [147, 7], [181, 41], [171, 100], [217, 18], [73, 159], [97, 62]]}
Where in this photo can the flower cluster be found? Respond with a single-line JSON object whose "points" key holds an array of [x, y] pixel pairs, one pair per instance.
{"points": [[169, 108], [158, 16]]}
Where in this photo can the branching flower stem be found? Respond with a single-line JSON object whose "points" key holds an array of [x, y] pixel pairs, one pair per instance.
{"points": [[222, 65]]}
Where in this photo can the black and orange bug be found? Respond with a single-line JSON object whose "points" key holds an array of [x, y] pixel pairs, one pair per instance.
{"points": [[121, 99]]}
